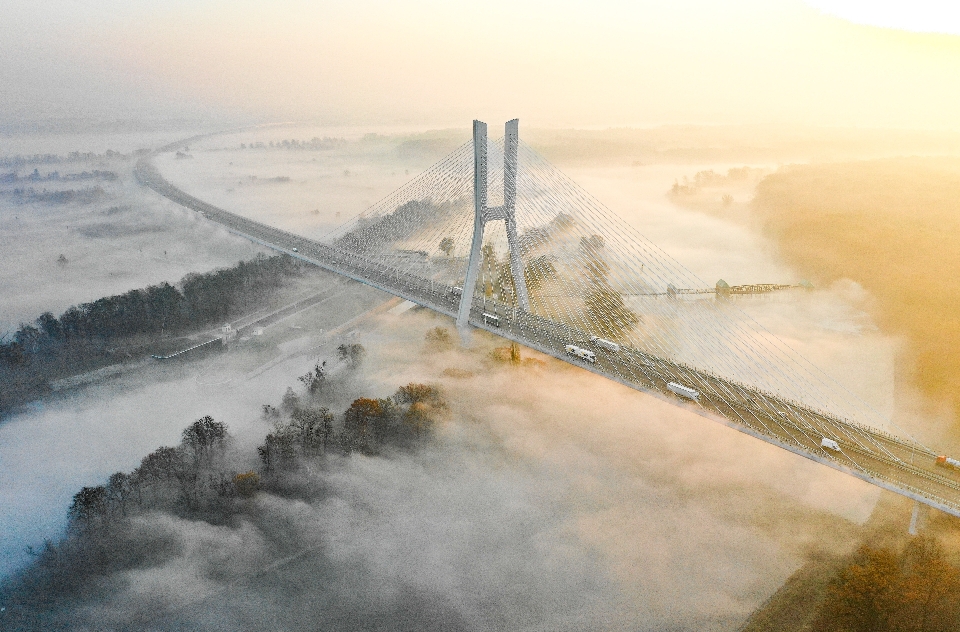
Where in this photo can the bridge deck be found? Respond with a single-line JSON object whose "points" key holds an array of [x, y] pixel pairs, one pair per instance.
{"points": [[875, 456]]}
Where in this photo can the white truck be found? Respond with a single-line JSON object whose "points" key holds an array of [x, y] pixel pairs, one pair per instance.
{"points": [[829, 444], [683, 391], [583, 354], [603, 343]]}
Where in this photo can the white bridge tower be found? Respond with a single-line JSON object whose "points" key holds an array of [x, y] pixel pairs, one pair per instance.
{"points": [[484, 214]]}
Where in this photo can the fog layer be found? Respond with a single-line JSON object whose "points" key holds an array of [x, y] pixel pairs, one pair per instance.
{"points": [[550, 499]]}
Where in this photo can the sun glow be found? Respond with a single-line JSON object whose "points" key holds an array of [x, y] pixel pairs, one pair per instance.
{"points": [[922, 16]]}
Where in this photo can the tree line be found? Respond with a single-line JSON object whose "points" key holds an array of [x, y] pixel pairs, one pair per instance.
{"points": [[368, 426], [56, 176], [86, 195], [74, 156], [314, 143], [88, 335], [199, 477]]}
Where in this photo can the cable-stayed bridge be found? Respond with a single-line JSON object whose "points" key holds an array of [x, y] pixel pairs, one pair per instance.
{"points": [[498, 239]]}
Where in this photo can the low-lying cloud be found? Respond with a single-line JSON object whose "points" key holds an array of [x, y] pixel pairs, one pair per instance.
{"points": [[551, 499]]}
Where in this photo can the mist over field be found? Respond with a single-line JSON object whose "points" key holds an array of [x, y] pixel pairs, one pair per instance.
{"points": [[111, 236], [590, 465], [536, 507], [787, 142]]}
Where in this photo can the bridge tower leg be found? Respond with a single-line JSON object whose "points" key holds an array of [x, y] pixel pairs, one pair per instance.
{"points": [[479, 208], [511, 141], [484, 214]]}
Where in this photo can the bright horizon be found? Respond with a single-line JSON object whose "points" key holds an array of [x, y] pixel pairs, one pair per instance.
{"points": [[784, 62], [921, 16]]}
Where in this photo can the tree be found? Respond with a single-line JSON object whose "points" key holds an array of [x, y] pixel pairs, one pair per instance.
{"points": [[313, 428], [203, 437], [880, 590], [314, 380], [161, 469], [414, 393], [606, 310], [11, 353], [861, 597], [424, 402], [537, 272], [357, 422], [270, 412], [418, 418], [290, 401], [119, 488], [247, 484], [50, 326], [930, 589], [278, 450], [308, 433], [438, 337], [88, 504], [29, 338], [354, 353], [446, 246], [161, 464]]}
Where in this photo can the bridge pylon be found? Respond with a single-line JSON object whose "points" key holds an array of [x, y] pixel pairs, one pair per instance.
{"points": [[484, 214]]}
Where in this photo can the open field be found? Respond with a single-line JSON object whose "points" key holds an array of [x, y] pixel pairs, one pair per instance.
{"points": [[113, 236]]}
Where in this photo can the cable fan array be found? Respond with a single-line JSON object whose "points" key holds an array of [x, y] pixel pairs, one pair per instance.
{"points": [[587, 268]]}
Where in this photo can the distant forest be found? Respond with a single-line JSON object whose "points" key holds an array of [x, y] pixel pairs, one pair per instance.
{"points": [[74, 156], [87, 195], [118, 327], [314, 143], [56, 176]]}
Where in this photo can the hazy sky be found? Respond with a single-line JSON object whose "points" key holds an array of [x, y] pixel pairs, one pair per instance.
{"points": [[554, 62], [925, 16]]}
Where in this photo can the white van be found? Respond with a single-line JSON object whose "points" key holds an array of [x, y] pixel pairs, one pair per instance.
{"points": [[829, 444], [583, 354]]}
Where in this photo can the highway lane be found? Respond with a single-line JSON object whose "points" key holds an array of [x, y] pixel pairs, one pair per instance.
{"points": [[873, 455]]}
